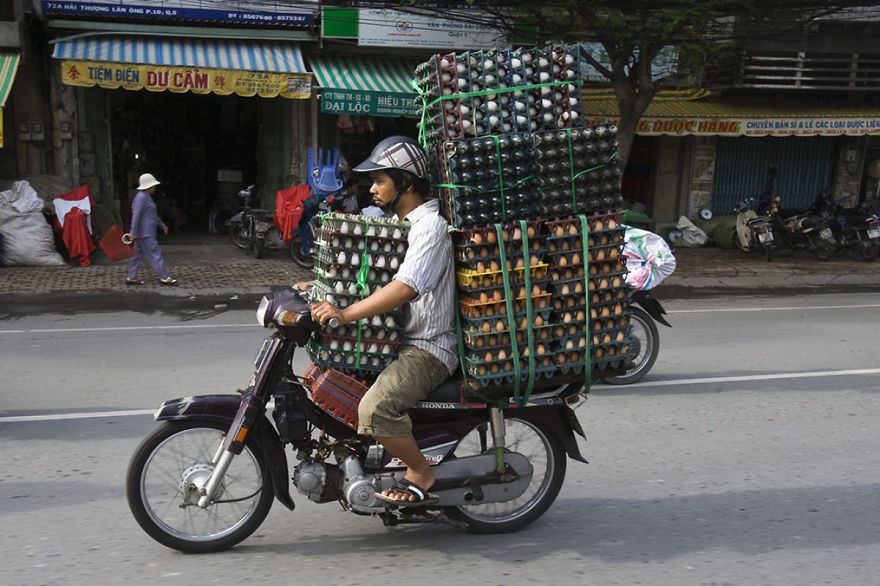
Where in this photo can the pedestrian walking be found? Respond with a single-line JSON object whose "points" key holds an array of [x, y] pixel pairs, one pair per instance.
{"points": [[145, 221]]}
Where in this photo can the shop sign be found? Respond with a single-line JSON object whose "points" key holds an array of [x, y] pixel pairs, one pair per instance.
{"points": [[394, 28], [157, 78], [251, 13], [363, 103], [813, 126]]}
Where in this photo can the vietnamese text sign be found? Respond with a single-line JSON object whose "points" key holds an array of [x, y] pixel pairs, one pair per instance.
{"points": [[157, 78], [394, 28], [812, 126], [252, 13], [365, 103]]}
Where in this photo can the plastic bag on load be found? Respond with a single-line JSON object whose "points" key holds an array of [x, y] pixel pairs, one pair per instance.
{"points": [[649, 259], [691, 235]]}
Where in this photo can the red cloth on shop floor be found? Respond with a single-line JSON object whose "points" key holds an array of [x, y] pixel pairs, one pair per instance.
{"points": [[289, 209], [77, 237]]}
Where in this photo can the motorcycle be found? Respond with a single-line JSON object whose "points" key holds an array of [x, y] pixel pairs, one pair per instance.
{"points": [[252, 229], [855, 230], [799, 231], [206, 477], [644, 336], [753, 232]]}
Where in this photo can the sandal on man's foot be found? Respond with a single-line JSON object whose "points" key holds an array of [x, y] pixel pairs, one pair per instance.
{"points": [[168, 281], [133, 282], [421, 497]]}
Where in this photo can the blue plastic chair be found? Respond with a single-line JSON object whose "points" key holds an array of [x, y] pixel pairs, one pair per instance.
{"points": [[324, 171]]}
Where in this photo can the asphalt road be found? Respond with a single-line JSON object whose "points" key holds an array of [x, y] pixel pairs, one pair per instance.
{"points": [[747, 457]]}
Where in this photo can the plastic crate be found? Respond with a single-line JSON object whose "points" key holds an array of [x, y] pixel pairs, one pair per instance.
{"points": [[338, 394]]}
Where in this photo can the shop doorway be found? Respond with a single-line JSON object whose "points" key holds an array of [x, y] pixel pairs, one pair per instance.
{"points": [[184, 140]]}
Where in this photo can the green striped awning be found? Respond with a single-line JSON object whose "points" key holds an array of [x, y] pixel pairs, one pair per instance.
{"points": [[8, 67], [366, 86]]}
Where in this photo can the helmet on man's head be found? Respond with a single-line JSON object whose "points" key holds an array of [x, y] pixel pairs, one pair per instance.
{"points": [[397, 152]]}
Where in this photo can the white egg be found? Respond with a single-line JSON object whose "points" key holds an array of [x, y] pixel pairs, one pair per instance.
{"points": [[377, 362], [401, 248], [341, 258], [389, 322], [352, 289], [387, 247], [334, 344], [349, 359], [380, 262], [339, 288], [337, 357], [355, 260], [392, 336], [393, 263], [334, 242], [358, 231], [324, 355], [371, 231], [346, 273], [376, 321], [346, 346], [397, 234], [386, 349], [380, 335], [384, 278]]}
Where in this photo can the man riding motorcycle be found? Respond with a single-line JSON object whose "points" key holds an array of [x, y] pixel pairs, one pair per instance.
{"points": [[425, 282]]}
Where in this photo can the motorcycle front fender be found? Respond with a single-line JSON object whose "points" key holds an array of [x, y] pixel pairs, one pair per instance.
{"points": [[222, 409]]}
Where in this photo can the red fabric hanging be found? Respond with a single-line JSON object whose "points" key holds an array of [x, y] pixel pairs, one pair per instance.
{"points": [[289, 209], [77, 237]]}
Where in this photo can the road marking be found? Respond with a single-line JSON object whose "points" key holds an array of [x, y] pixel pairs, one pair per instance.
{"points": [[751, 377], [658, 383], [781, 308], [128, 328]]}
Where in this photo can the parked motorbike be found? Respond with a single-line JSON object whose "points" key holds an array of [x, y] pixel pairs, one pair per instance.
{"points": [[206, 477], [252, 229], [854, 230], [801, 231], [753, 232], [644, 336]]}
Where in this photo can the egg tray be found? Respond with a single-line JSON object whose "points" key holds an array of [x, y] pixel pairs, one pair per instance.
{"points": [[326, 339], [349, 224], [493, 263], [598, 339], [477, 323], [345, 360], [477, 340], [471, 280], [327, 257], [565, 287], [475, 310], [569, 303], [597, 222]]}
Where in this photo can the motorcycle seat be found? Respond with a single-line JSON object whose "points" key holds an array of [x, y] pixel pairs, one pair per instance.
{"points": [[449, 391]]}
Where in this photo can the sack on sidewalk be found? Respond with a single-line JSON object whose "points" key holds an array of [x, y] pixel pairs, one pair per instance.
{"points": [[691, 235]]}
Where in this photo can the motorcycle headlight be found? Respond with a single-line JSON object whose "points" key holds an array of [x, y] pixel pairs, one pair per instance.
{"points": [[264, 316]]}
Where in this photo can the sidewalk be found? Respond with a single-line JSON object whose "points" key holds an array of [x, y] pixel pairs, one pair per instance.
{"points": [[209, 264]]}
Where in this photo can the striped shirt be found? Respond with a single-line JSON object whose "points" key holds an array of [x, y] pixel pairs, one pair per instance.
{"points": [[428, 269]]}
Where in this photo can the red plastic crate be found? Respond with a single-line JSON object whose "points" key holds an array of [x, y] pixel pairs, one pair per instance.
{"points": [[338, 394]]}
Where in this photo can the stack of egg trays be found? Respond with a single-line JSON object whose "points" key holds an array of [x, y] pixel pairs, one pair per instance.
{"points": [[483, 304], [600, 280], [496, 106], [486, 180], [575, 172], [349, 247]]}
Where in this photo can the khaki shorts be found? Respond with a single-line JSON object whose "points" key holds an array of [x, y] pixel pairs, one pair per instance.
{"points": [[405, 382]]}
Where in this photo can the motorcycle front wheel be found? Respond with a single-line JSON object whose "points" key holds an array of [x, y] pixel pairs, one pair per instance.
{"points": [[163, 481], [548, 463], [821, 248], [239, 239], [646, 343], [297, 254]]}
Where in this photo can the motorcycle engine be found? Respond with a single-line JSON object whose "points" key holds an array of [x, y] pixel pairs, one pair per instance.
{"points": [[359, 488], [316, 481]]}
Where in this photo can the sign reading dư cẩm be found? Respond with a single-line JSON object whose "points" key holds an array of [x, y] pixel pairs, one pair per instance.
{"points": [[199, 80], [251, 13]]}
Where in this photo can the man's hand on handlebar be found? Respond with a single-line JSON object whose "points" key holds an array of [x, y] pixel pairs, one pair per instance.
{"points": [[326, 313]]}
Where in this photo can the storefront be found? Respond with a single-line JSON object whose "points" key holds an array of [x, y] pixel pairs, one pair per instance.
{"points": [[728, 150], [202, 114], [362, 100]]}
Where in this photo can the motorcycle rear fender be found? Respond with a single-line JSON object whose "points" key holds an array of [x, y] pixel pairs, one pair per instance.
{"points": [[222, 409], [654, 309], [236, 219], [560, 420]]}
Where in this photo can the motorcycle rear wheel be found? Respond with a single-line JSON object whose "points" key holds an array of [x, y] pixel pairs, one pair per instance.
{"points": [[236, 236], [297, 254], [162, 482], [646, 339], [548, 460], [867, 252]]}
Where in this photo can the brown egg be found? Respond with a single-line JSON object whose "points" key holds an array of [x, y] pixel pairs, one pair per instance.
{"points": [[502, 355], [534, 261], [604, 312], [560, 358], [488, 356], [613, 254], [540, 350], [565, 245], [560, 231], [483, 297], [517, 234], [599, 353], [581, 316], [564, 290], [594, 270], [499, 325], [520, 263], [573, 228], [539, 321], [618, 309], [496, 295], [562, 261], [491, 237], [575, 259], [486, 327], [600, 254], [493, 339], [530, 231], [476, 239], [611, 224], [481, 267], [493, 368], [593, 313], [619, 337], [479, 342], [493, 266]]}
